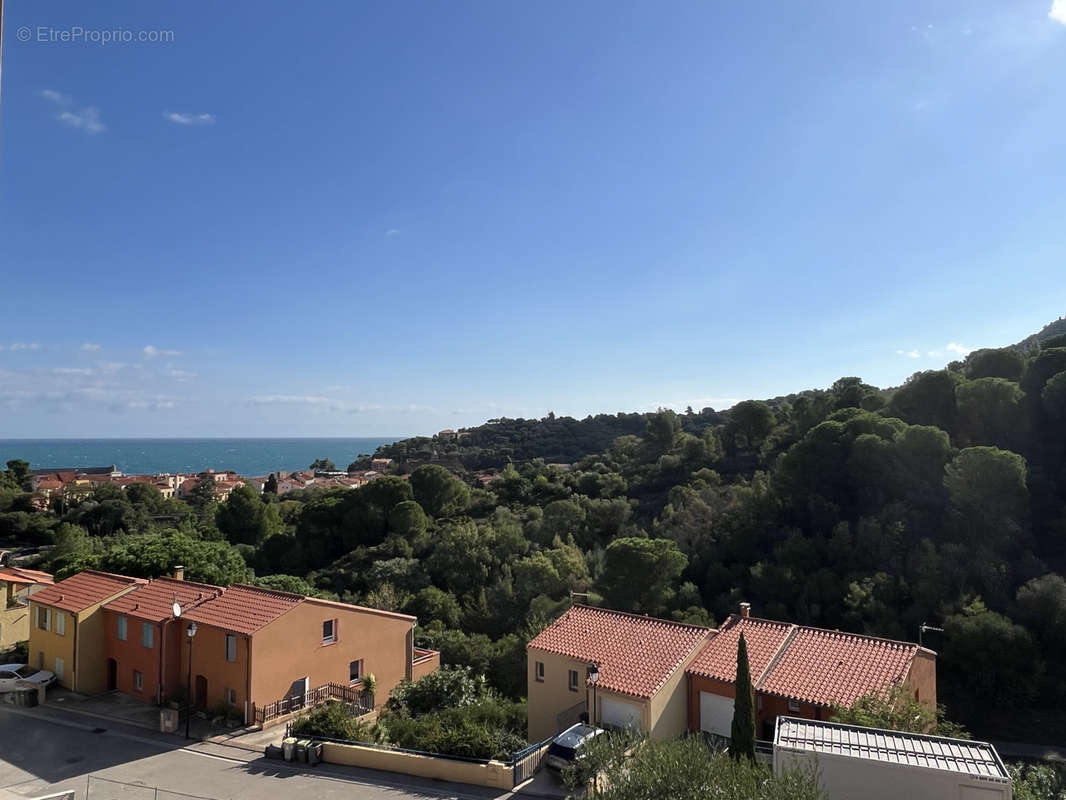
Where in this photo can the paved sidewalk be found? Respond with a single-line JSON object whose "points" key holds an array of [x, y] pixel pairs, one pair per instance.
{"points": [[54, 750]]}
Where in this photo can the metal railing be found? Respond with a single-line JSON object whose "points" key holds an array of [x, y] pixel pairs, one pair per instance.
{"points": [[358, 699], [527, 762]]}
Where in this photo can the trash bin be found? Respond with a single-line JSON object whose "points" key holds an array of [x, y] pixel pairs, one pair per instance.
{"points": [[288, 748], [302, 746], [314, 753], [168, 720], [273, 751]]}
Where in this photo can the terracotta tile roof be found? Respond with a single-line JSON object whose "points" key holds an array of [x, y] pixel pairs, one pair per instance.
{"points": [[243, 609], [764, 638], [154, 602], [826, 667], [635, 654], [20, 575], [85, 589]]}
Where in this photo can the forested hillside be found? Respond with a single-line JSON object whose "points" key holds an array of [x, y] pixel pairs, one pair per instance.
{"points": [[941, 501]]}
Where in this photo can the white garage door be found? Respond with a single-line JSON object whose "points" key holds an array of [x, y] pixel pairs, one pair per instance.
{"points": [[618, 713], [716, 714]]}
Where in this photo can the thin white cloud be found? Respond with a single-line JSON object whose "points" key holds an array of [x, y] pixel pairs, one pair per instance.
{"points": [[958, 349], [935, 354], [290, 400], [88, 120], [392, 232], [72, 371], [151, 351], [1058, 11], [909, 353], [189, 119], [52, 95], [24, 346], [181, 375], [90, 347]]}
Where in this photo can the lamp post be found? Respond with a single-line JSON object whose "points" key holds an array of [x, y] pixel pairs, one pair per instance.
{"points": [[190, 632], [594, 678]]}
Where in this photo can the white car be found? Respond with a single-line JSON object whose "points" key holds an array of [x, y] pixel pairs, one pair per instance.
{"points": [[18, 676]]}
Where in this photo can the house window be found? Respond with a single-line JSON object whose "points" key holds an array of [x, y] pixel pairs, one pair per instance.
{"points": [[573, 680], [793, 706], [61, 623], [231, 647], [122, 628], [231, 697], [355, 671], [146, 633], [44, 618], [59, 669], [329, 631], [138, 680], [538, 671]]}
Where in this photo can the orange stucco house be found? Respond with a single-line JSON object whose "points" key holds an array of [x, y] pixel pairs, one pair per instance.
{"points": [[799, 671], [253, 647], [142, 640]]}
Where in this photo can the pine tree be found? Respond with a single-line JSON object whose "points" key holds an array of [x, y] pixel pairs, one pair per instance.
{"points": [[271, 486], [742, 743]]}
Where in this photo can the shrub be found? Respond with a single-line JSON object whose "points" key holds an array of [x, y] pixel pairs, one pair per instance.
{"points": [[334, 721]]}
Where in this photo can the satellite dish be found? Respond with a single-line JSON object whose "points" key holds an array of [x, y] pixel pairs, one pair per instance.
{"points": [[176, 609]]}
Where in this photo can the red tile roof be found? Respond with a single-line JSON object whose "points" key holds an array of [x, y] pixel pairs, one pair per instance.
{"points": [[764, 638], [243, 609], [635, 654], [812, 665], [155, 601], [20, 575], [85, 589], [826, 667]]}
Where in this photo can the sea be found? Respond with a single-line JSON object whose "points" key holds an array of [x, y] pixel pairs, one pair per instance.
{"points": [[248, 457]]}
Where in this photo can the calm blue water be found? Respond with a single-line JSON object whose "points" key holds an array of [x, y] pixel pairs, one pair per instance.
{"points": [[151, 456]]}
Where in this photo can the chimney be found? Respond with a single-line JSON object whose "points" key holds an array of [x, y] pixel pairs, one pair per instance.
{"points": [[179, 572], [745, 609]]}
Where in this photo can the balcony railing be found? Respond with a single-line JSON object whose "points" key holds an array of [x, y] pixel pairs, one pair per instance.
{"points": [[358, 699]]}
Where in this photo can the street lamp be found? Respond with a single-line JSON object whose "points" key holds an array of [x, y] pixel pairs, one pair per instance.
{"points": [[190, 632], [594, 678]]}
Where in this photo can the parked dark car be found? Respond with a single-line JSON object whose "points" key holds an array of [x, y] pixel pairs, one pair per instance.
{"points": [[567, 745]]}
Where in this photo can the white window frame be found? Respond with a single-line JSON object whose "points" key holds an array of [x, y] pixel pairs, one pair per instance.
{"points": [[47, 618], [332, 637], [138, 680], [148, 635], [231, 646], [358, 671], [121, 628], [61, 624]]}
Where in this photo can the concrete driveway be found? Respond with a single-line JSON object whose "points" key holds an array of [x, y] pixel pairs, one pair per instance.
{"points": [[45, 749]]}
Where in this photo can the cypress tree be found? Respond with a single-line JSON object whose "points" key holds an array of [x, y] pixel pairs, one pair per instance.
{"points": [[742, 731]]}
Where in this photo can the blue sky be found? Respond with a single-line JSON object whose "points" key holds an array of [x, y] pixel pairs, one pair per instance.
{"points": [[387, 219]]}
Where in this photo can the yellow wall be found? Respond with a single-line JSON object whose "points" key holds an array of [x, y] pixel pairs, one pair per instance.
{"points": [[47, 646], [551, 697], [494, 774], [668, 710], [14, 625]]}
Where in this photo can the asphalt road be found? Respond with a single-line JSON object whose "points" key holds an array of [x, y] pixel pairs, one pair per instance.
{"points": [[40, 755]]}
